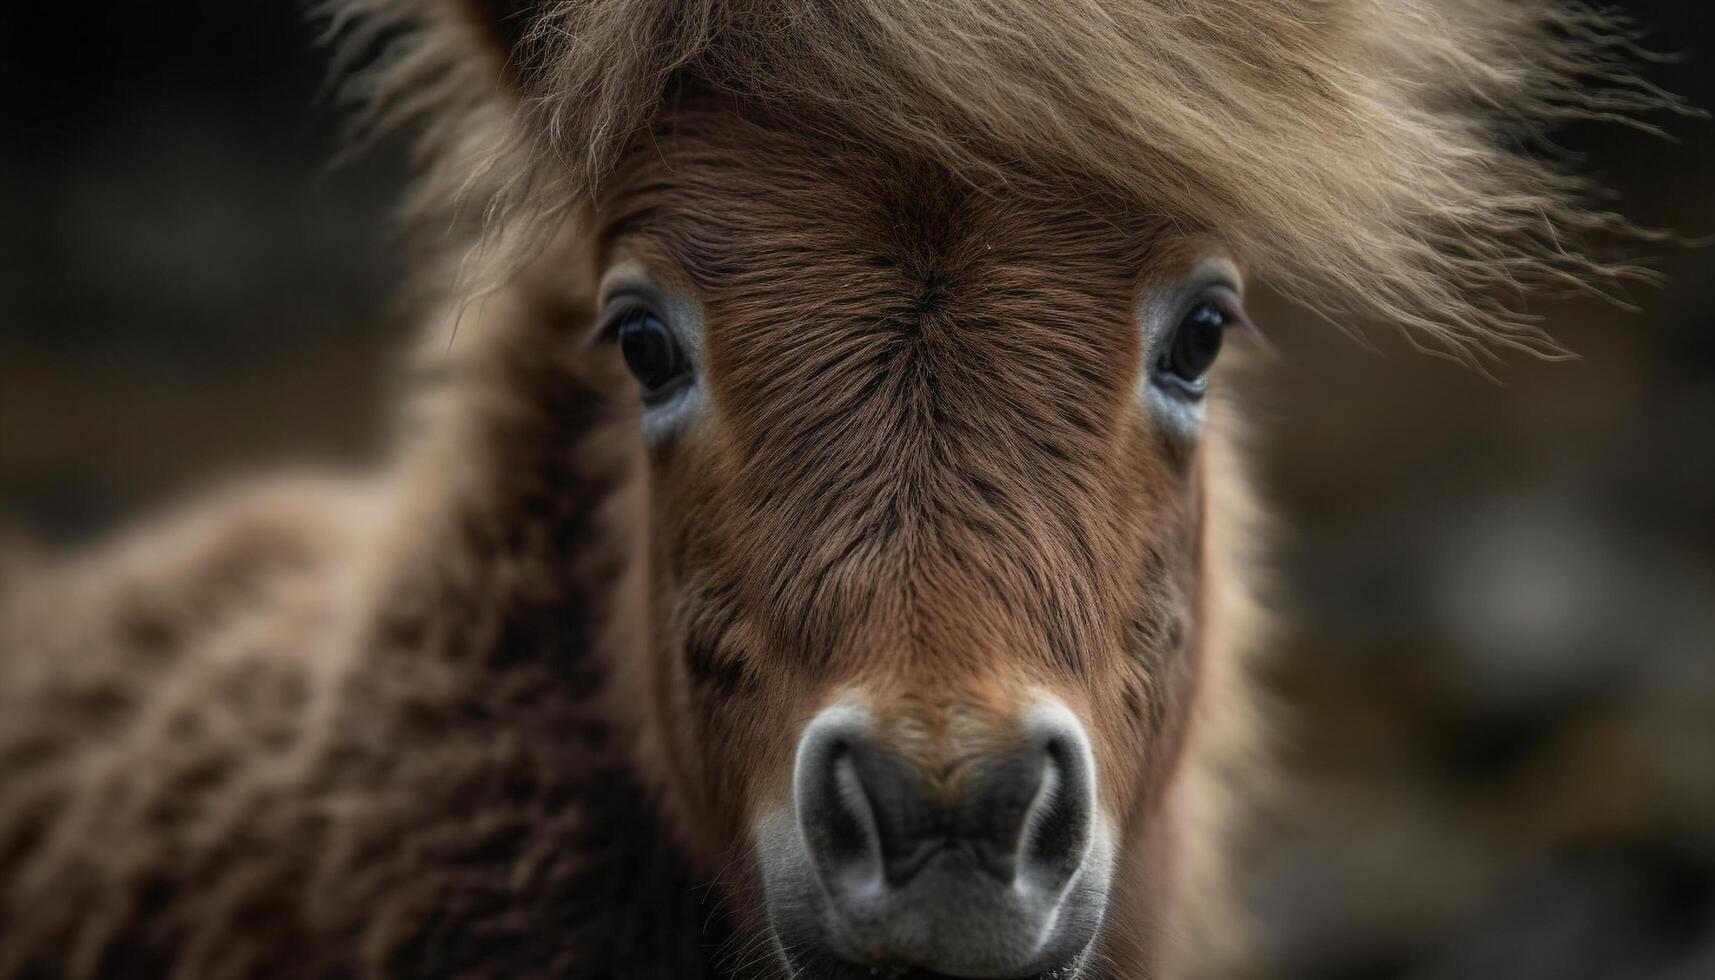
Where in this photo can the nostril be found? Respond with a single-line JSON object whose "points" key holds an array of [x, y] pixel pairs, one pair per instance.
{"points": [[863, 811], [849, 825], [1059, 817]]}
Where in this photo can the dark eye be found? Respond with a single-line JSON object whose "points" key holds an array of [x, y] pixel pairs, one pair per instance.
{"points": [[1192, 349], [651, 352]]}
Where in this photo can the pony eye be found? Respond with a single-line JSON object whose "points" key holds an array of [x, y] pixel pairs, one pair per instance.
{"points": [[651, 352], [1195, 343]]}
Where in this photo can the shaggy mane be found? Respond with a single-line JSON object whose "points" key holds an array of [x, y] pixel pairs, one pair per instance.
{"points": [[1371, 159]]}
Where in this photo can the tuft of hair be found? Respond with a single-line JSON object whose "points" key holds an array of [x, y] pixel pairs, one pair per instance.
{"points": [[1375, 160]]}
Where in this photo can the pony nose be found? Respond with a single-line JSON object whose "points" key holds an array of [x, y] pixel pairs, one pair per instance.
{"points": [[989, 844], [983, 826]]}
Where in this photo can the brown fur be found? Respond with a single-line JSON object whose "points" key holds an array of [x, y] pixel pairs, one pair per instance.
{"points": [[506, 707]]}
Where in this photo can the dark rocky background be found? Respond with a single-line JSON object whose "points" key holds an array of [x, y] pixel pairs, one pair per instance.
{"points": [[1499, 669]]}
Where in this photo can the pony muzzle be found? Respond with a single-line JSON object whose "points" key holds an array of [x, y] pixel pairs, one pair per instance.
{"points": [[991, 863]]}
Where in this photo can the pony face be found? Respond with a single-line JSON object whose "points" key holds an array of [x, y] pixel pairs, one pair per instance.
{"points": [[925, 531], [922, 303]]}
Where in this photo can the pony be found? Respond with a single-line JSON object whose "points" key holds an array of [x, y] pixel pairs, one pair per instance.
{"points": [[816, 543]]}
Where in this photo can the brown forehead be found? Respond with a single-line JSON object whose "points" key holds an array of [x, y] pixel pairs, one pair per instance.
{"points": [[853, 296], [744, 202]]}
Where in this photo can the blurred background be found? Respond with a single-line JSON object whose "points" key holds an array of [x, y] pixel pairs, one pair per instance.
{"points": [[1498, 664]]}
